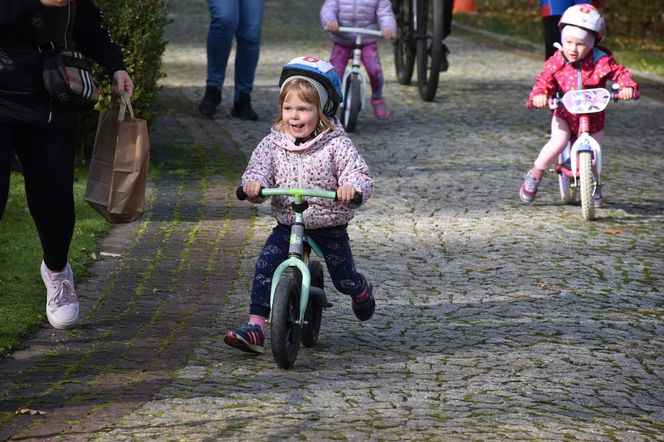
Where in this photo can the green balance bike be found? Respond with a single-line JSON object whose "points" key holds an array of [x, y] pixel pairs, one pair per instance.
{"points": [[297, 296]]}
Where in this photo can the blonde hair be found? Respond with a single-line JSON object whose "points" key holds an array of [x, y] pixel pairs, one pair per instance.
{"points": [[307, 93]]}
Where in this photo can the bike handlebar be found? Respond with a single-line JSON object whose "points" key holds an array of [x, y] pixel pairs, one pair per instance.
{"points": [[352, 30], [554, 102], [241, 195]]}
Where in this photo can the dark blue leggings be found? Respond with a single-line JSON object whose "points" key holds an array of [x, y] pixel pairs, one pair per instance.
{"points": [[333, 242]]}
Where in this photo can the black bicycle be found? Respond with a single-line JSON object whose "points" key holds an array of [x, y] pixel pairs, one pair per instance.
{"points": [[422, 26]]}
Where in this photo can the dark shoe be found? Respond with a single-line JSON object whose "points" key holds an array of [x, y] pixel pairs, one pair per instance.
{"points": [[242, 109], [210, 101], [247, 338], [364, 304]]}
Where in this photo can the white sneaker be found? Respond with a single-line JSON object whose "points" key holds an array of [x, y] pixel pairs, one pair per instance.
{"points": [[61, 300]]}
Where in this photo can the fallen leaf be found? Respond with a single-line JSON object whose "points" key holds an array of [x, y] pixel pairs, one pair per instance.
{"points": [[613, 231], [31, 412]]}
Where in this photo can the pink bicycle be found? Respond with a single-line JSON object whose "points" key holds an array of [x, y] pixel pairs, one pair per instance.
{"points": [[580, 164]]}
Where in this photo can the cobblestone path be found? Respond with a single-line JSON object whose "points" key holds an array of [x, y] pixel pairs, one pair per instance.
{"points": [[495, 320]]}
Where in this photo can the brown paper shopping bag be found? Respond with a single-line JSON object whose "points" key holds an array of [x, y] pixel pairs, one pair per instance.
{"points": [[118, 172]]}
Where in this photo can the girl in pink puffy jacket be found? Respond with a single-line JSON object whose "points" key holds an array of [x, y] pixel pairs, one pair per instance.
{"points": [[579, 64], [307, 147], [371, 14]]}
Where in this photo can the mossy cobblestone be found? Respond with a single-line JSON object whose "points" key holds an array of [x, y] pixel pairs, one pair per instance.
{"points": [[495, 320]]}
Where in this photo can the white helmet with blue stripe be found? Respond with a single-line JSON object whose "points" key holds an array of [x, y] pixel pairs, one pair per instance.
{"points": [[320, 70]]}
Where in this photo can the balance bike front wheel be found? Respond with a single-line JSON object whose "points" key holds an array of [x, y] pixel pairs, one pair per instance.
{"points": [[314, 313], [587, 185], [352, 102], [285, 331]]}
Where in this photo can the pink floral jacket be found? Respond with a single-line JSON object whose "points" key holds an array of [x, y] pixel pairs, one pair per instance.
{"points": [[593, 71], [330, 161]]}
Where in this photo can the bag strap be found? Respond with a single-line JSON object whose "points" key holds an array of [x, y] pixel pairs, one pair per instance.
{"points": [[125, 103]]}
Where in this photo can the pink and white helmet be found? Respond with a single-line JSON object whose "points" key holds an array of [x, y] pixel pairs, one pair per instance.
{"points": [[586, 17]]}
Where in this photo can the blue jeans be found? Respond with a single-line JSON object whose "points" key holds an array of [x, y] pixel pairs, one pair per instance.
{"points": [[333, 242], [241, 19]]}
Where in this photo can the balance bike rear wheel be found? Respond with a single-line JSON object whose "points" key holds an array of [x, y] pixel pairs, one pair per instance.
{"points": [[314, 313], [285, 331], [587, 185], [567, 192]]}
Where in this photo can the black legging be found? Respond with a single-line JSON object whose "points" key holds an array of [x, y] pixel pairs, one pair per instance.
{"points": [[47, 156]]}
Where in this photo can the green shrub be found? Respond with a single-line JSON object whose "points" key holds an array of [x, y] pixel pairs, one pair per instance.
{"points": [[138, 27]]}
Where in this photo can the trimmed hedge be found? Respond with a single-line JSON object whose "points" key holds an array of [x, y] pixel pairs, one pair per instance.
{"points": [[138, 27]]}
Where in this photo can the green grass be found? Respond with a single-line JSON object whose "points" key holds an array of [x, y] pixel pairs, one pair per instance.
{"points": [[22, 293]]}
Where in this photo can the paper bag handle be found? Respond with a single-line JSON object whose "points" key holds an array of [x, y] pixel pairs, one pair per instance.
{"points": [[125, 103]]}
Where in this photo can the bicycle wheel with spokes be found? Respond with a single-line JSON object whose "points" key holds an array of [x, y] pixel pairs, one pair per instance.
{"points": [[314, 313], [404, 49], [285, 331], [587, 185], [429, 35], [352, 102]]}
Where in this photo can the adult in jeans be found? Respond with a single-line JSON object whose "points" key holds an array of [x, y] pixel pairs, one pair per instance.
{"points": [[43, 134], [241, 19], [552, 10]]}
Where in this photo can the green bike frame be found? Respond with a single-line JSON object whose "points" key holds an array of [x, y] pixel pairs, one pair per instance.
{"points": [[296, 245]]}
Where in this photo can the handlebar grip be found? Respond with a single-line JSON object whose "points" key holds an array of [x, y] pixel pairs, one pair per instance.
{"points": [[241, 195], [357, 199]]}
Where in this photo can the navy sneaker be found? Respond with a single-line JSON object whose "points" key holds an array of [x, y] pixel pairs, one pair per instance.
{"points": [[364, 304], [247, 338]]}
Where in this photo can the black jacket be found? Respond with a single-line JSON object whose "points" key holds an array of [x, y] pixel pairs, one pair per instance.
{"points": [[23, 98]]}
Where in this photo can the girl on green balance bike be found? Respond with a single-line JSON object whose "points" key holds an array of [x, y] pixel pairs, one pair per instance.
{"points": [[306, 148]]}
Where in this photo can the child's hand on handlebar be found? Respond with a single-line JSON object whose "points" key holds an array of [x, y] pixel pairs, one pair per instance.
{"points": [[346, 193], [388, 33], [540, 101], [333, 26], [626, 93], [252, 189]]}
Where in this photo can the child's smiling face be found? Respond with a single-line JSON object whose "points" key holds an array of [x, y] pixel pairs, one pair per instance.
{"points": [[299, 117], [575, 48]]}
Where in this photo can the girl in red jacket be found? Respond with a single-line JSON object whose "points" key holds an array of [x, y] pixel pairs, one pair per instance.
{"points": [[579, 64]]}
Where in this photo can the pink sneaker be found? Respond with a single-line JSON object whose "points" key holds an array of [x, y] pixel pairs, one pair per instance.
{"points": [[380, 108]]}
